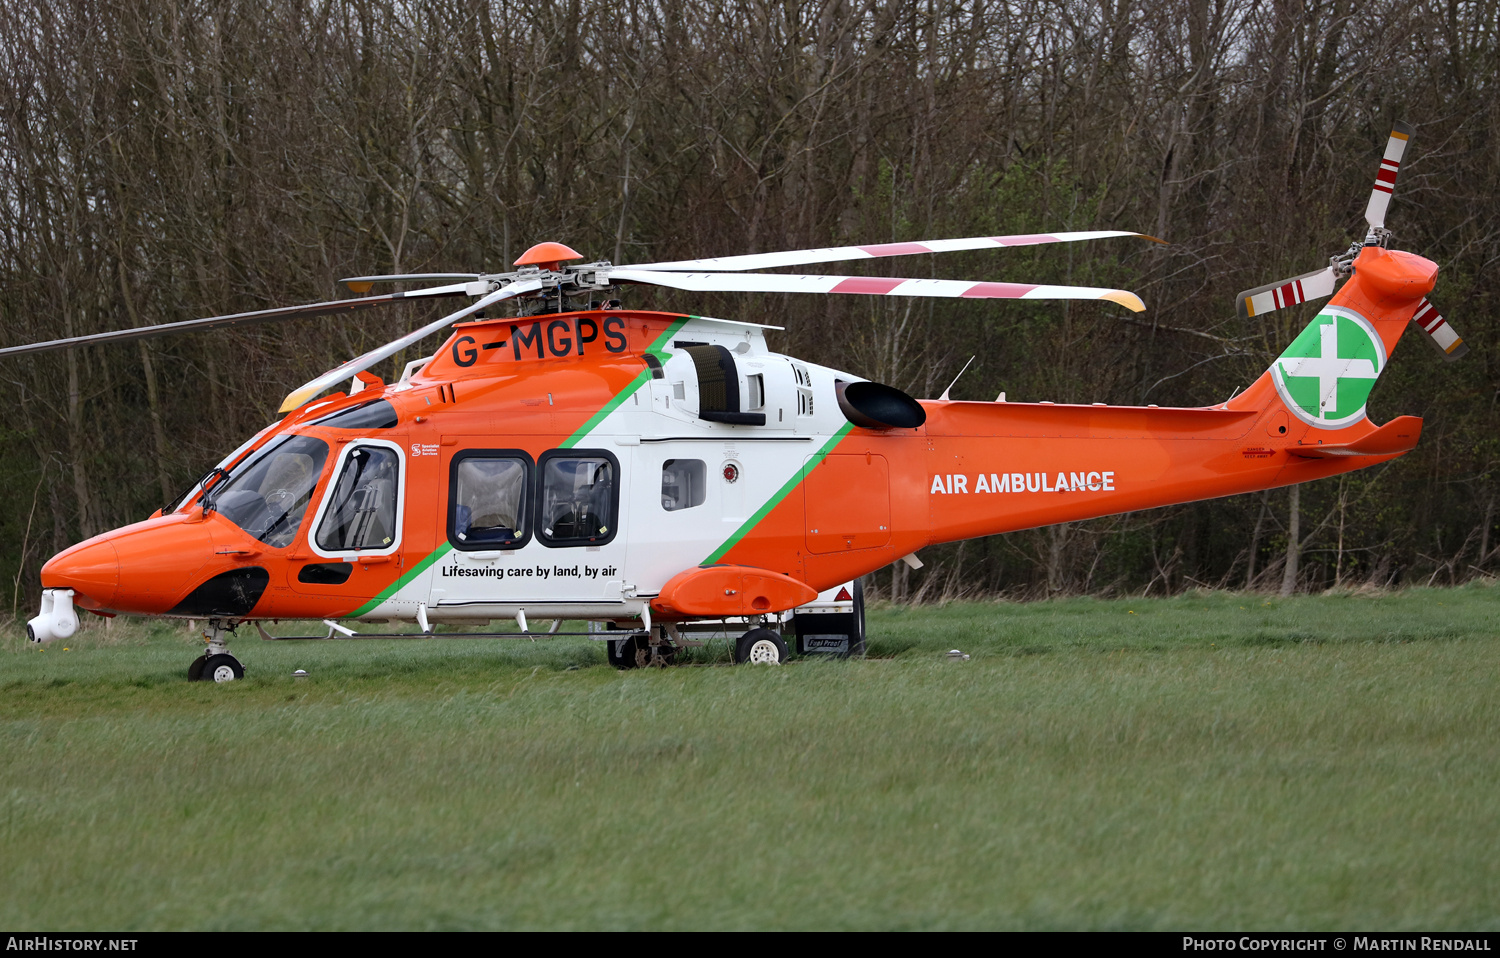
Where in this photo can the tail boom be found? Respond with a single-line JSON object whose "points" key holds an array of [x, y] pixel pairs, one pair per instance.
{"points": [[977, 469]]}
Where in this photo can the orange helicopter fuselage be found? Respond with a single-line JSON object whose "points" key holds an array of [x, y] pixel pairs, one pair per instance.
{"points": [[799, 492]]}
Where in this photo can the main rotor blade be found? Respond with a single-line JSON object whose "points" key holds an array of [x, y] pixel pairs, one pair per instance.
{"points": [[361, 284], [833, 254], [869, 285], [234, 319], [1439, 333], [360, 363], [1286, 292], [1385, 180]]}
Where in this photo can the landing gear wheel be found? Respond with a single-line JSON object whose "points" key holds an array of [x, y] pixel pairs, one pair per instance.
{"points": [[760, 646], [195, 671], [621, 652], [857, 636], [222, 668], [662, 655]]}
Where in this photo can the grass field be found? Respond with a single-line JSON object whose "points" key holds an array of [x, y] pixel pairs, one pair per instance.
{"points": [[1203, 762]]}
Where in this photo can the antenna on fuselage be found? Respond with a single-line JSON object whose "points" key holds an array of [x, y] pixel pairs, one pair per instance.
{"points": [[944, 396]]}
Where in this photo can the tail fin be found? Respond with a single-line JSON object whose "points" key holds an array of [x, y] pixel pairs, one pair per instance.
{"points": [[1325, 376]]}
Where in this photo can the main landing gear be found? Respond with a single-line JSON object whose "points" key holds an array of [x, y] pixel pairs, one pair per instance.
{"points": [[216, 664], [639, 652], [760, 647]]}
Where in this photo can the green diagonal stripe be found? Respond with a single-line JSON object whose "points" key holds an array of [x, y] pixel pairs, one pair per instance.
{"points": [[775, 500], [400, 583], [643, 377]]}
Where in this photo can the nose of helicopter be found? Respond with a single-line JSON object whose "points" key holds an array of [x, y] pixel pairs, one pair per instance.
{"points": [[142, 568], [91, 569]]}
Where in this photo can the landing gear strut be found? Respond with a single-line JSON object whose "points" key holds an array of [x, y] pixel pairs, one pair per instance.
{"points": [[216, 664], [639, 652]]}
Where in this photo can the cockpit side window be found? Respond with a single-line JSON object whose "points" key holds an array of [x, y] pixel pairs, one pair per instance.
{"points": [[580, 497], [268, 495], [362, 503]]}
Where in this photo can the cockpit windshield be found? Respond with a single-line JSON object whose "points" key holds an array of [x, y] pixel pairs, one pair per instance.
{"points": [[217, 471], [268, 495]]}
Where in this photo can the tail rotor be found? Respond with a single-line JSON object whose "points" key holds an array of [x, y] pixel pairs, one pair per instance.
{"points": [[1324, 282]]}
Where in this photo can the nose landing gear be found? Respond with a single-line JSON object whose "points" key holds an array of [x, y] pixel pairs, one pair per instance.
{"points": [[216, 664]]}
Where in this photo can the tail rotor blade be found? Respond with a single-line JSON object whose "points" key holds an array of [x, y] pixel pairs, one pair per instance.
{"points": [[869, 285], [1439, 333], [834, 254], [1286, 292], [359, 364], [1385, 180]]}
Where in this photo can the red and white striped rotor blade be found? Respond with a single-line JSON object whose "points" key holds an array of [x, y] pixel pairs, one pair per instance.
{"points": [[869, 286], [1286, 292], [1385, 180], [833, 254], [1439, 333]]}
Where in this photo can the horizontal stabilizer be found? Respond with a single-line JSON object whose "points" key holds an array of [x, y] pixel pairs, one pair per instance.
{"points": [[1286, 292], [1398, 436], [1439, 333]]}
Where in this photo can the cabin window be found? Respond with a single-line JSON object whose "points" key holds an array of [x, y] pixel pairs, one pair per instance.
{"points": [[579, 497], [488, 500], [267, 496], [361, 511], [683, 483]]}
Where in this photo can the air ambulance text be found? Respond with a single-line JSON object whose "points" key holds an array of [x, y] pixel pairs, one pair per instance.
{"points": [[954, 485]]}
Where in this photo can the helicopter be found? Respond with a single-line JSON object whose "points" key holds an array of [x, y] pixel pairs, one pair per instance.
{"points": [[645, 472]]}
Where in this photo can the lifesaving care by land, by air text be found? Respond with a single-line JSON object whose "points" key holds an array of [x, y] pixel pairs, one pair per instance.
{"points": [[46, 943], [1360, 943]]}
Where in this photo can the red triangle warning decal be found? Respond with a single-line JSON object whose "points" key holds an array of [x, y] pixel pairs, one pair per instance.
{"points": [[843, 595]]}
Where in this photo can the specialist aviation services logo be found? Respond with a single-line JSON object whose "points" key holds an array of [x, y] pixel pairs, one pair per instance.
{"points": [[1326, 374]]}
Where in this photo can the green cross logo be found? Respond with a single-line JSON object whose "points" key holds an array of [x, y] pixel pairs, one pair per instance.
{"points": [[1326, 374]]}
